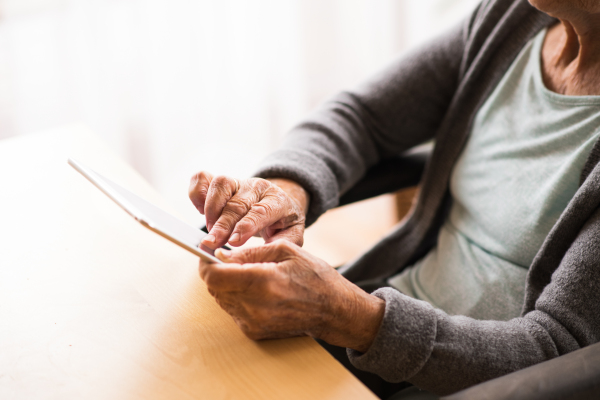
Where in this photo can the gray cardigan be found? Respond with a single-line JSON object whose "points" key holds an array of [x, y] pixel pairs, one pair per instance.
{"points": [[434, 93]]}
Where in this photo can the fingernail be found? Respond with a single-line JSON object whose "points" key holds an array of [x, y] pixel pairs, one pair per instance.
{"points": [[235, 237], [225, 253], [209, 239]]}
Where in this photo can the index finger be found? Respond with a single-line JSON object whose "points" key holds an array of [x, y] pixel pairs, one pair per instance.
{"points": [[234, 277], [274, 252], [262, 214]]}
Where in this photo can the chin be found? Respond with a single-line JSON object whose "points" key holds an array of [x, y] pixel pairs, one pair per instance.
{"points": [[557, 8]]}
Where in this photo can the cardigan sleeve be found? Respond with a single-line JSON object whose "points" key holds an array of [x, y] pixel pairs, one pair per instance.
{"points": [[396, 110], [443, 353]]}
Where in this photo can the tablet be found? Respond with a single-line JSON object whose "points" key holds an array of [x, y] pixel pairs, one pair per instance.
{"points": [[150, 216]]}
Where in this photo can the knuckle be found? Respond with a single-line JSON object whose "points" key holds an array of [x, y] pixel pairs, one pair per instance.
{"points": [[238, 206], [249, 222], [263, 209], [224, 304], [199, 183], [254, 333], [282, 245], [200, 178], [203, 177], [244, 326], [285, 247], [226, 221], [289, 246], [220, 183], [195, 179], [259, 184], [219, 228], [220, 180]]}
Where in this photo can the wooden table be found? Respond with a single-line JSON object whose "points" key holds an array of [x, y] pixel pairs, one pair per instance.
{"points": [[94, 306]]}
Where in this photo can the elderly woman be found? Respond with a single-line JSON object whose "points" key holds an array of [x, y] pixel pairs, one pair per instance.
{"points": [[498, 266]]}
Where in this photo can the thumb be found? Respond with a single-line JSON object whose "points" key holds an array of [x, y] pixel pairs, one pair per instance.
{"points": [[294, 234], [273, 252]]}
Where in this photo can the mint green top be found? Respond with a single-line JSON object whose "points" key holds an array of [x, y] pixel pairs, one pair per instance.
{"points": [[518, 171]]}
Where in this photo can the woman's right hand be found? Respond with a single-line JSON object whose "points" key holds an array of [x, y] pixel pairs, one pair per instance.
{"points": [[236, 210]]}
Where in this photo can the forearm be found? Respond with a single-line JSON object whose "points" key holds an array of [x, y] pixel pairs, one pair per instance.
{"points": [[444, 354]]}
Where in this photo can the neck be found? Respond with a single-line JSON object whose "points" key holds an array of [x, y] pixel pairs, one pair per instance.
{"points": [[578, 45], [571, 54]]}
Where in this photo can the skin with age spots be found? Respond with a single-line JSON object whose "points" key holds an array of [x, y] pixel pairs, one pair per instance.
{"points": [[279, 290], [274, 209]]}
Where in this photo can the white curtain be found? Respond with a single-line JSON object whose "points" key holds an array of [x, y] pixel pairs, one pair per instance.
{"points": [[177, 86]]}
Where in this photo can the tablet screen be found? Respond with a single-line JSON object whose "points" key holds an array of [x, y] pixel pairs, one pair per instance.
{"points": [[150, 215]]}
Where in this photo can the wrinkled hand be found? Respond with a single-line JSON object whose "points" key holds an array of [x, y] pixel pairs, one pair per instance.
{"points": [[236, 210], [279, 290]]}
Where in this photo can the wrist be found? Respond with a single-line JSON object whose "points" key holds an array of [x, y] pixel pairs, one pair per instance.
{"points": [[295, 191], [367, 323], [354, 320]]}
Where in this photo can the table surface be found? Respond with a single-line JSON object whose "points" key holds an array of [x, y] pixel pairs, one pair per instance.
{"points": [[95, 306]]}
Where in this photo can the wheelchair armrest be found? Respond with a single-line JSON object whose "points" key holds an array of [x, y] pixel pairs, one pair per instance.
{"points": [[390, 175], [573, 376]]}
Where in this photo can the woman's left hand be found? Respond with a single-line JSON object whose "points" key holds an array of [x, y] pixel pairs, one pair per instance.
{"points": [[279, 290]]}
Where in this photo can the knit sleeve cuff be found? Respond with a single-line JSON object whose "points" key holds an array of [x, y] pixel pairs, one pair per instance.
{"points": [[404, 341], [310, 172]]}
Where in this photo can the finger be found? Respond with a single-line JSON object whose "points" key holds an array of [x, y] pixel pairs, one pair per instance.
{"points": [[235, 209], [198, 189], [274, 252], [272, 208], [220, 190], [294, 234], [234, 277]]}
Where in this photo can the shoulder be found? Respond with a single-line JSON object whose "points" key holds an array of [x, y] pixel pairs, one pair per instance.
{"points": [[499, 23]]}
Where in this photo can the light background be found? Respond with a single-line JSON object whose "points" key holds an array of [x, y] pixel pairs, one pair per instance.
{"points": [[178, 86]]}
